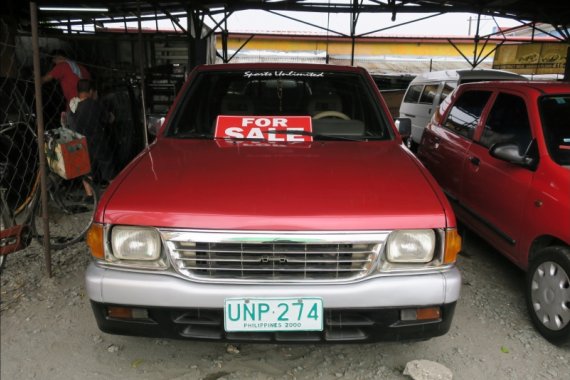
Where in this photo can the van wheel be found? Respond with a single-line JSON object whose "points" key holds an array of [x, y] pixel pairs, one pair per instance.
{"points": [[548, 294]]}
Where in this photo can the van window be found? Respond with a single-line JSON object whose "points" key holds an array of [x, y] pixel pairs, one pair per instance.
{"points": [[465, 114], [447, 88], [413, 94], [428, 94], [507, 122]]}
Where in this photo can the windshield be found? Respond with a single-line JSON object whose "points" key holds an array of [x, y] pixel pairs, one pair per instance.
{"points": [[555, 115], [339, 105]]}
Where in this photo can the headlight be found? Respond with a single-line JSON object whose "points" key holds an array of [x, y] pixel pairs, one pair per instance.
{"points": [[410, 246], [135, 243]]}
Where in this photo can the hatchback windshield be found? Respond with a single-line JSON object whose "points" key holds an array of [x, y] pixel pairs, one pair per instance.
{"points": [[341, 105], [555, 114]]}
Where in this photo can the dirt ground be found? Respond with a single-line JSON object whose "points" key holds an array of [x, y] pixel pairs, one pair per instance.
{"points": [[49, 332]]}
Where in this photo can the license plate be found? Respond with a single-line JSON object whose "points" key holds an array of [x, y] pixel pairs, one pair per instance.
{"points": [[273, 314]]}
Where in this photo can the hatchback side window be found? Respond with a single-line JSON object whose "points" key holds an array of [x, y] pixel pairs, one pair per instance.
{"points": [[555, 114], [465, 114], [413, 94], [507, 122], [429, 93]]}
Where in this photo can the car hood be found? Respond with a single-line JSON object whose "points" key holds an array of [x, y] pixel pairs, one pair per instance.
{"points": [[330, 185]]}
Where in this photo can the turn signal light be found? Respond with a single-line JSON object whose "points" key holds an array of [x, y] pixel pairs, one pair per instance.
{"points": [[94, 240], [452, 245], [428, 313], [421, 314]]}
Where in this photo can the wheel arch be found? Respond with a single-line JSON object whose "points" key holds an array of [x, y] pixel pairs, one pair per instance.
{"points": [[542, 242]]}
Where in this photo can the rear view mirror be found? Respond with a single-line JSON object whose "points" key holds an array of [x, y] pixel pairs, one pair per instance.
{"points": [[404, 126]]}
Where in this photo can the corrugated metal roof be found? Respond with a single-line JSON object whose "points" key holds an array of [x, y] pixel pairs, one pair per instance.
{"points": [[549, 11]]}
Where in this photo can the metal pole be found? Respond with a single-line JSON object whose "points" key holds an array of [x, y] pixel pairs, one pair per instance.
{"points": [[476, 40], [191, 46], [40, 132], [353, 21], [142, 60], [225, 39], [567, 67]]}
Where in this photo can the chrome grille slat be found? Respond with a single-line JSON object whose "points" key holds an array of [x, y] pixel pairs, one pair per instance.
{"points": [[237, 260], [228, 256], [260, 269], [271, 251]]}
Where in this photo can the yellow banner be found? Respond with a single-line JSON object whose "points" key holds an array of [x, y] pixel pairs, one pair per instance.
{"points": [[533, 58]]}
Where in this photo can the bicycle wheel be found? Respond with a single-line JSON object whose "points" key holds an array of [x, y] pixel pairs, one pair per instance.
{"points": [[70, 211]]}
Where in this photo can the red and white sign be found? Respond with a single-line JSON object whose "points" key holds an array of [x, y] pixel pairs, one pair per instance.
{"points": [[265, 128]]}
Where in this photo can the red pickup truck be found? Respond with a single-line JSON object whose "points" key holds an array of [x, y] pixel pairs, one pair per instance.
{"points": [[277, 204]]}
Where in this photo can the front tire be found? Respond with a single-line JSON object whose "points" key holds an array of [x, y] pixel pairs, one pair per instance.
{"points": [[548, 294]]}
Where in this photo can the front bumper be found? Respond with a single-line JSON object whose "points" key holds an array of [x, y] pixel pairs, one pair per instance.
{"points": [[364, 311]]}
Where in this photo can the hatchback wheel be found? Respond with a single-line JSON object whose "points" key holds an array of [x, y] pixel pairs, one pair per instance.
{"points": [[548, 294]]}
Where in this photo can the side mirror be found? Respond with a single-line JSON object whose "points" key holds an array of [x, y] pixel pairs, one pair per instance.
{"points": [[404, 126], [509, 152], [153, 124]]}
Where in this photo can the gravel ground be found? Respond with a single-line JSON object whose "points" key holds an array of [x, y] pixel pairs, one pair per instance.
{"points": [[48, 332]]}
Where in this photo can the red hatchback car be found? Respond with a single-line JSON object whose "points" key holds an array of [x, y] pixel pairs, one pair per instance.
{"points": [[501, 153]]}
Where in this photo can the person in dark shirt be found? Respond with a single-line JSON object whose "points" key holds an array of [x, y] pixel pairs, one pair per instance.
{"points": [[91, 119]]}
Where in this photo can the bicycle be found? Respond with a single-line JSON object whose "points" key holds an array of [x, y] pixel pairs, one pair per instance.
{"points": [[70, 209]]}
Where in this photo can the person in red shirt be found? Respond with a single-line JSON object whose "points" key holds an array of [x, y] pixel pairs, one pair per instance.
{"points": [[68, 73]]}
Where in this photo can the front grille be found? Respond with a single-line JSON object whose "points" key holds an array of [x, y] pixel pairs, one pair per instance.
{"points": [[273, 258]]}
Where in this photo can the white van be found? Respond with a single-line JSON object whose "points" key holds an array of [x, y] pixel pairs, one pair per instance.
{"points": [[427, 91]]}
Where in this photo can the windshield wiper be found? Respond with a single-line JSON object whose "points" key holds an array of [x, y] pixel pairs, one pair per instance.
{"points": [[231, 138], [192, 135], [321, 136], [374, 138], [316, 136]]}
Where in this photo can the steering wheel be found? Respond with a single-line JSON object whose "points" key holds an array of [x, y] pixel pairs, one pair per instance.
{"points": [[337, 114]]}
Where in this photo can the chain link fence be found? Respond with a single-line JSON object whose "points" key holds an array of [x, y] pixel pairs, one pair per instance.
{"points": [[18, 146], [115, 139]]}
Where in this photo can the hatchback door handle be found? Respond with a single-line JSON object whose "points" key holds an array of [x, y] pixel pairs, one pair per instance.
{"points": [[474, 160]]}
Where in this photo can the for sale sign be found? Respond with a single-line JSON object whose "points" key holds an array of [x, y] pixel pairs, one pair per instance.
{"points": [[265, 128]]}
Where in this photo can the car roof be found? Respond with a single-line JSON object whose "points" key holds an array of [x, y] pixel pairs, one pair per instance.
{"points": [[465, 75], [540, 87]]}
